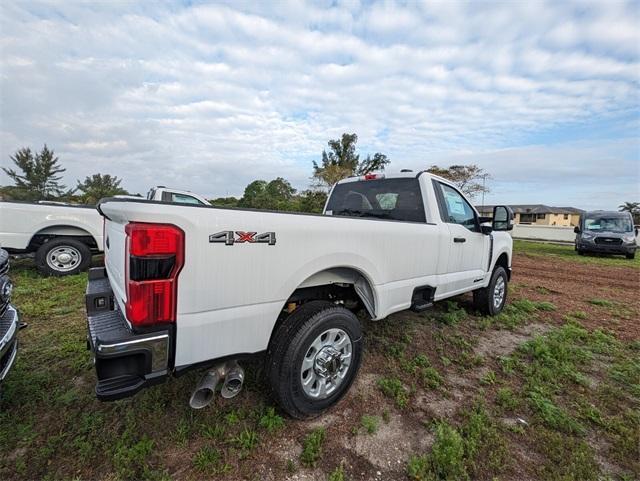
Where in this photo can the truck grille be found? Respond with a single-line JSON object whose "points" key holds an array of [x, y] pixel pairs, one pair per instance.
{"points": [[4, 262], [5, 324], [4, 269], [609, 241]]}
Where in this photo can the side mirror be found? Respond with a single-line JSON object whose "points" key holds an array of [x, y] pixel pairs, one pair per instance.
{"points": [[486, 229], [636, 232], [502, 218], [576, 230]]}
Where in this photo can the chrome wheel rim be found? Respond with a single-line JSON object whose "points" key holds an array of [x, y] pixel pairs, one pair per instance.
{"points": [[499, 292], [326, 363], [64, 258]]}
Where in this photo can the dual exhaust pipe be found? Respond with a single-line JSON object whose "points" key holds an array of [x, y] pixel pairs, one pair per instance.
{"points": [[232, 376]]}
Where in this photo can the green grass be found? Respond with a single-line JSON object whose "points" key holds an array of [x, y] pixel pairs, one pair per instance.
{"points": [[461, 453], [518, 312], [453, 314], [555, 371], [601, 302], [207, 459], [246, 440], [337, 474], [393, 388], [271, 421], [370, 423], [567, 253], [506, 399], [312, 447], [446, 459]]}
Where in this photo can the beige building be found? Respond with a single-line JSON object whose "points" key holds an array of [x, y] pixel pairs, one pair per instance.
{"points": [[539, 214]]}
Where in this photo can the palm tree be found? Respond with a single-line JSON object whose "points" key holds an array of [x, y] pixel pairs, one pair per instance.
{"points": [[629, 207], [633, 208]]}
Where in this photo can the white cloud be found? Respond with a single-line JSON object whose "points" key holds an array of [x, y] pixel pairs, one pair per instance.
{"points": [[210, 97]]}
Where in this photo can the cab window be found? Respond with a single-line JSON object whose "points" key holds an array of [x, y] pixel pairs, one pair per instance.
{"points": [[455, 209], [179, 198], [184, 199]]}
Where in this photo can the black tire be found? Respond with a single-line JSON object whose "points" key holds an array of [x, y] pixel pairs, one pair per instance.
{"points": [[292, 341], [581, 252], [631, 256], [483, 299], [81, 257]]}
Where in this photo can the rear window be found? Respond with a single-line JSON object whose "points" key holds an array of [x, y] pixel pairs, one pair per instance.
{"points": [[393, 199]]}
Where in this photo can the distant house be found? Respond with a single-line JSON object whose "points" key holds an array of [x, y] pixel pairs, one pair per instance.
{"points": [[539, 214]]}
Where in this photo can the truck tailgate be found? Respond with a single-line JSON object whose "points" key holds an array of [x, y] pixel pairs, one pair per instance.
{"points": [[114, 259]]}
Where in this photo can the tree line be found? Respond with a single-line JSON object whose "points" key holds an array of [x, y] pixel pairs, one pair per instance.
{"points": [[38, 176]]}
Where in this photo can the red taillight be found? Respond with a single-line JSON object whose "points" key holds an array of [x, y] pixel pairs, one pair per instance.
{"points": [[155, 255], [154, 239]]}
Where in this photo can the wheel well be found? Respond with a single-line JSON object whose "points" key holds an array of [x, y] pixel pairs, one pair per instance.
{"points": [[503, 261], [51, 232], [344, 286]]}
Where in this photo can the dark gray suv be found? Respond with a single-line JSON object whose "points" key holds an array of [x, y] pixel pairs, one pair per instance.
{"points": [[606, 232]]}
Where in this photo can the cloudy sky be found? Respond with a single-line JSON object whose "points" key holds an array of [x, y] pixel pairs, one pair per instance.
{"points": [[208, 97]]}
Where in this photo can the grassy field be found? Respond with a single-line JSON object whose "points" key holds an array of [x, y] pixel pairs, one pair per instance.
{"points": [[530, 394], [567, 253]]}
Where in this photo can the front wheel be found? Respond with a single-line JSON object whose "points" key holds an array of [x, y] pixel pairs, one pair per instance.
{"points": [[313, 358], [63, 256], [491, 299], [631, 256]]}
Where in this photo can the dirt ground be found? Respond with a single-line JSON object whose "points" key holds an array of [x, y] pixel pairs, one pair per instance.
{"points": [[383, 456], [572, 286]]}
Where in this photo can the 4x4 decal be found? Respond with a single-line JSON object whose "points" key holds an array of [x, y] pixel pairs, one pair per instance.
{"points": [[229, 237]]}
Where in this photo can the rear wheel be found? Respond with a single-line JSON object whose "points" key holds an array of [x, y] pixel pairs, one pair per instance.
{"points": [[314, 357], [491, 299], [61, 257]]}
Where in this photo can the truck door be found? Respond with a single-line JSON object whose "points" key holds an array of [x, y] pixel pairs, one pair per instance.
{"points": [[468, 246]]}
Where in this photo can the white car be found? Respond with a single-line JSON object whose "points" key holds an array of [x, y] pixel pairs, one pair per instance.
{"points": [[190, 286], [64, 236]]}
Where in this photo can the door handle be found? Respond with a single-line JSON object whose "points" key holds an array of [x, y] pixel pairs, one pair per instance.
{"points": [[459, 239]]}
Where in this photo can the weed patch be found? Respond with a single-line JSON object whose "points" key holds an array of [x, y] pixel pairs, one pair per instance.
{"points": [[601, 302], [453, 314], [210, 460], [270, 420], [246, 440], [370, 423], [312, 447], [465, 453], [393, 388]]}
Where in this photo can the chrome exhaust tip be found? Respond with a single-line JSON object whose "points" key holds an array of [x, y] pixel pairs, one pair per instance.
{"points": [[205, 390], [233, 380]]}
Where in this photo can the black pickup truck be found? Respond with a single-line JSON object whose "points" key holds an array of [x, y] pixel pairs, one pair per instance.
{"points": [[9, 320]]}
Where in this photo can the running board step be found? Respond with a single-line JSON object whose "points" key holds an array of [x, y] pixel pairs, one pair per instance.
{"points": [[421, 306]]}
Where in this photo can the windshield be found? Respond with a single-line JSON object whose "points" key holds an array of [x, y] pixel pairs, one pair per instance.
{"points": [[608, 224], [151, 194], [393, 199]]}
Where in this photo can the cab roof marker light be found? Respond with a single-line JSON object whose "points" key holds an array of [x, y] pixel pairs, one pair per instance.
{"points": [[372, 176]]}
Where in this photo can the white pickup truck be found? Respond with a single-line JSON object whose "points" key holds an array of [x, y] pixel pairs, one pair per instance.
{"points": [[203, 287], [64, 236]]}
